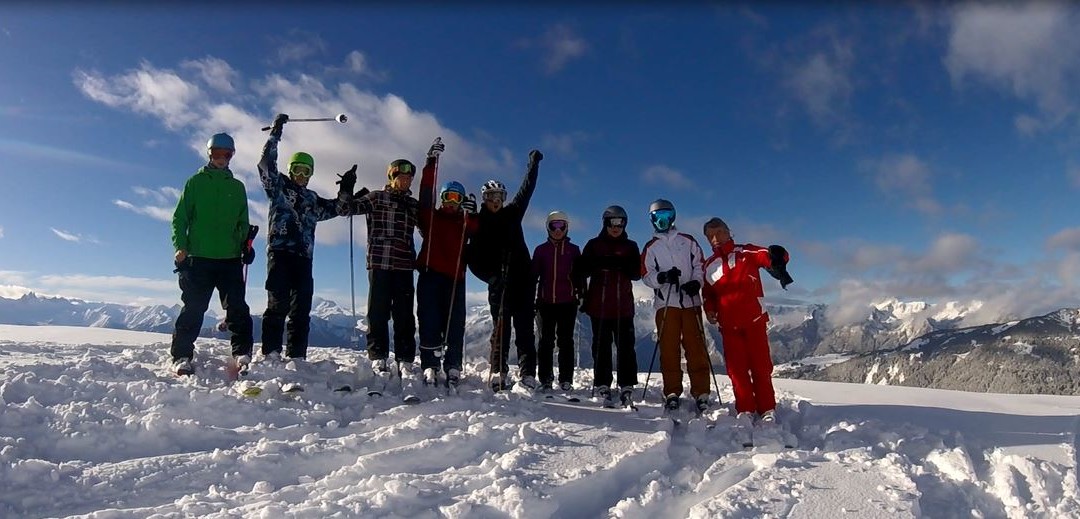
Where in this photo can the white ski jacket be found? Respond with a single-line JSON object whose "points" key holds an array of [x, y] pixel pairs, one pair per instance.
{"points": [[672, 249]]}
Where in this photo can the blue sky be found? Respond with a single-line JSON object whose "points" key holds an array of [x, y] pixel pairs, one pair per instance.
{"points": [[910, 150]]}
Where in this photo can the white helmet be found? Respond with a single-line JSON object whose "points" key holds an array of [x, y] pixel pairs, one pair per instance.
{"points": [[558, 216], [492, 186]]}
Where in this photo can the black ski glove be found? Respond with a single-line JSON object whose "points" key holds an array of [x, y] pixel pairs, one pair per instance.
{"points": [[436, 148], [361, 193], [347, 181], [779, 256], [469, 205], [278, 125], [535, 157], [249, 249], [691, 288], [669, 276]]}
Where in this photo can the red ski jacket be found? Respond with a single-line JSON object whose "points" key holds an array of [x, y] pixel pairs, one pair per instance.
{"points": [[732, 290], [444, 243]]}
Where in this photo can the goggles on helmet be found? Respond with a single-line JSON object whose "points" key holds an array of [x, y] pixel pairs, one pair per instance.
{"points": [[300, 170], [403, 168], [220, 153], [495, 195], [451, 197], [662, 218], [557, 225]]}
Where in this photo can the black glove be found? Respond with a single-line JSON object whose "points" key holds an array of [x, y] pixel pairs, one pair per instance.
{"points": [[535, 156], [278, 125], [249, 250], [469, 204], [361, 193], [669, 276], [779, 256], [781, 275], [691, 288], [436, 148], [347, 180]]}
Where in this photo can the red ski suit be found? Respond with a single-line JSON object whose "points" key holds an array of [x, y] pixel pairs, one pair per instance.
{"points": [[732, 296]]}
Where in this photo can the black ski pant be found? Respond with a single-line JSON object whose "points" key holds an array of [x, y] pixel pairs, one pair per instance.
{"points": [[390, 295], [289, 288], [519, 314], [198, 279], [440, 306], [621, 332], [556, 323]]}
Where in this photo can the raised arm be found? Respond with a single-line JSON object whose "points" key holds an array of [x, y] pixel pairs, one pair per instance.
{"points": [[525, 192], [268, 171]]}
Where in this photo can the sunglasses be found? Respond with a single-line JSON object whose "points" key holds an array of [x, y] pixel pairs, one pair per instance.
{"points": [[402, 169], [451, 197], [616, 222], [220, 153], [301, 170], [557, 225]]}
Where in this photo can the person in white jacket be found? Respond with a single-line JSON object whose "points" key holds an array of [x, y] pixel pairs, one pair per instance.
{"points": [[671, 264]]}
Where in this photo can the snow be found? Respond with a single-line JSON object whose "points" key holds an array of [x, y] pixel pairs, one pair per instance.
{"points": [[92, 425]]}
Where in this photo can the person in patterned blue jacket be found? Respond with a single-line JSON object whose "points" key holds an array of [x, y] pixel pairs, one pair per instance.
{"points": [[294, 211]]}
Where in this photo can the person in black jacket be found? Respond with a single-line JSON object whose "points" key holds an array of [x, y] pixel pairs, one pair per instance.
{"points": [[498, 256]]}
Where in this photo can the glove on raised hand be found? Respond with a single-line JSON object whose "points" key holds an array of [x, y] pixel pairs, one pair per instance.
{"points": [[278, 124], [469, 204], [691, 288], [535, 156], [436, 149], [347, 181]]}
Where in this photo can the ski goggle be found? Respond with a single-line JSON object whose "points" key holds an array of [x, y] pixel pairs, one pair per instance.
{"points": [[662, 218], [221, 153], [557, 225], [451, 197], [300, 170], [615, 222], [495, 195], [401, 169]]}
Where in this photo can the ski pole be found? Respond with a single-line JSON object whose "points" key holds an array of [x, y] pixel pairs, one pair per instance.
{"points": [[431, 216], [457, 268], [705, 346], [352, 287], [659, 333], [341, 118]]}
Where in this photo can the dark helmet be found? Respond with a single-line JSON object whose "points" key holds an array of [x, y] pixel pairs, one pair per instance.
{"points": [[614, 211], [661, 215]]}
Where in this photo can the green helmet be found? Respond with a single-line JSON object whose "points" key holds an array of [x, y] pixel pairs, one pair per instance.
{"points": [[302, 158]]}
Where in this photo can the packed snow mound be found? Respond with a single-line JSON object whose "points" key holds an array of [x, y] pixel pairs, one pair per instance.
{"points": [[93, 424]]}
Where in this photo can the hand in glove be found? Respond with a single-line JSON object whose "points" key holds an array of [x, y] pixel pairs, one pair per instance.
{"points": [[347, 181], [669, 276], [535, 156], [691, 288], [469, 204], [779, 256], [278, 125], [361, 193], [436, 149]]}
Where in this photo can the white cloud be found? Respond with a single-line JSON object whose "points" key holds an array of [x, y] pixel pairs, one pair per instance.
{"points": [[298, 46], [109, 289], [73, 237], [380, 128], [161, 206], [1027, 49], [216, 73], [950, 252], [564, 144], [1, 231], [666, 176], [1067, 239], [822, 83], [907, 177], [357, 63], [561, 44]]}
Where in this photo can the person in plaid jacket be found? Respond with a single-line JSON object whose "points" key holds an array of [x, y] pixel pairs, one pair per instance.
{"points": [[391, 214]]}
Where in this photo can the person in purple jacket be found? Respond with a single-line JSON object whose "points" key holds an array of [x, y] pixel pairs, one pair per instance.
{"points": [[611, 262], [556, 301]]}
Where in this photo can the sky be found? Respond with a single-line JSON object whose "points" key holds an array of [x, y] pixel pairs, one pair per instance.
{"points": [[99, 430], [916, 151]]}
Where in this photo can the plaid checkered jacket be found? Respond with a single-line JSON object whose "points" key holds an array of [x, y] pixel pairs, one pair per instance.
{"points": [[391, 221]]}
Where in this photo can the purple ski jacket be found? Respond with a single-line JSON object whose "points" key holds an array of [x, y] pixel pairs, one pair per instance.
{"points": [[552, 265]]}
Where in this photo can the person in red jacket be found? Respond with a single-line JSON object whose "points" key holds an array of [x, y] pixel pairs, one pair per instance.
{"points": [[440, 290], [733, 302]]}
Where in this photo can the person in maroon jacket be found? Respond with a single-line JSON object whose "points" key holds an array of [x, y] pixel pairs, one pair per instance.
{"points": [[610, 262], [732, 297], [440, 290], [556, 301]]}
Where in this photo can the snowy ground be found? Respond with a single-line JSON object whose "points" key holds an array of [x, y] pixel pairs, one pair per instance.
{"points": [[92, 425]]}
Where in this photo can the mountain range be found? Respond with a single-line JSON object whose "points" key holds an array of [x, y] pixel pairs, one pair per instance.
{"points": [[896, 342]]}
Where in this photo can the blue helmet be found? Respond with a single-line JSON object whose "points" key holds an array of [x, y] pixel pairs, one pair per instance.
{"points": [[220, 140], [452, 187]]}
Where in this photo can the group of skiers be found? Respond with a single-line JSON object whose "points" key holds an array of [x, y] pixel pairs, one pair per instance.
{"points": [[212, 238]]}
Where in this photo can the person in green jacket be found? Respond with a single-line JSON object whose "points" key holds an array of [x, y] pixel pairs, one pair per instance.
{"points": [[209, 234]]}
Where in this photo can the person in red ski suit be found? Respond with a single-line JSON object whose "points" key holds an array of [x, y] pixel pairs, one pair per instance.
{"points": [[733, 302]]}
